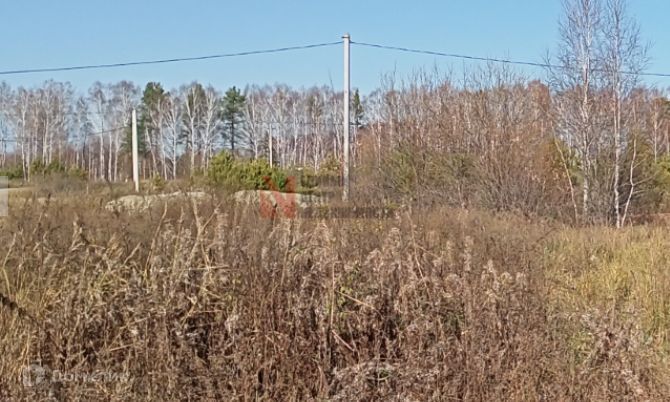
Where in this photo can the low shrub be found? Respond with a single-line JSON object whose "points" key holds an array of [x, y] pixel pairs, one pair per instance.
{"points": [[232, 174], [12, 172], [39, 168], [158, 183]]}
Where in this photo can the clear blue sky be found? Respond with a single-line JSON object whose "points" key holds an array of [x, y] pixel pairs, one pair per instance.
{"points": [[51, 33]]}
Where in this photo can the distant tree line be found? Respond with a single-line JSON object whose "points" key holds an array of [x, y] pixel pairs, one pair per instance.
{"points": [[180, 130]]}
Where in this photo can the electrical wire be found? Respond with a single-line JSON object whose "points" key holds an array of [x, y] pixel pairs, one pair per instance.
{"points": [[162, 61], [489, 59], [304, 47]]}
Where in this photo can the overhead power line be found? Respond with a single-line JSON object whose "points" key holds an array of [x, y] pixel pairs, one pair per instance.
{"points": [[305, 47], [163, 61], [453, 55], [488, 59], [109, 130]]}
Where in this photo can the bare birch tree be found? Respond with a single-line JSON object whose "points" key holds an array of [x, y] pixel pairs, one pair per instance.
{"points": [[623, 57], [576, 82]]}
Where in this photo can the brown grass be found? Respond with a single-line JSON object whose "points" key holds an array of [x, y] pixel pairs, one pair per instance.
{"points": [[209, 302]]}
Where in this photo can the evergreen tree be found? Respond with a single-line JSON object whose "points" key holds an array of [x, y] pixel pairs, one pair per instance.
{"points": [[127, 145], [357, 109], [153, 96], [232, 114]]}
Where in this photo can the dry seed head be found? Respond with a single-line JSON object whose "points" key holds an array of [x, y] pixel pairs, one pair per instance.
{"points": [[491, 269], [219, 233], [521, 281], [323, 234], [632, 380], [485, 278], [264, 254], [49, 258], [374, 260], [506, 280], [453, 284], [491, 298], [77, 236], [448, 253], [466, 255], [393, 240], [468, 243], [432, 239], [231, 323], [351, 266]]}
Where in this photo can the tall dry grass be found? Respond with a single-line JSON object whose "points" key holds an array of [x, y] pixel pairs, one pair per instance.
{"points": [[209, 302]]}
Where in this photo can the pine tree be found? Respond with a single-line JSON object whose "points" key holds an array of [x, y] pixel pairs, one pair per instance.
{"points": [[232, 114], [357, 109], [153, 96], [127, 144], [147, 125]]}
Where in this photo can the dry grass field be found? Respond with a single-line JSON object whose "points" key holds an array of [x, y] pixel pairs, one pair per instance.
{"points": [[207, 301]]}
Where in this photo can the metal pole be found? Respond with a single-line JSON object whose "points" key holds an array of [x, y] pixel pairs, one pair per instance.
{"points": [[270, 142], [347, 88], [136, 170]]}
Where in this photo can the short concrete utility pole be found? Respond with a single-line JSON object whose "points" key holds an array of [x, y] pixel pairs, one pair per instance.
{"points": [[136, 167], [347, 88]]}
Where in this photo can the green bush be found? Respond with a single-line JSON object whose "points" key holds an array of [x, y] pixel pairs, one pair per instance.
{"points": [[39, 168], [308, 178], [227, 172], [77, 173], [400, 172], [423, 175], [55, 177], [655, 182], [12, 172], [158, 183], [329, 173], [220, 170], [331, 166]]}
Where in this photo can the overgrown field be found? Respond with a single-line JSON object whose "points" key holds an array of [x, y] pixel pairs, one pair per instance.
{"points": [[207, 301]]}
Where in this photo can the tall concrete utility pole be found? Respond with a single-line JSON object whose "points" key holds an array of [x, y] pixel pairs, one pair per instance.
{"points": [[347, 88], [136, 170]]}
